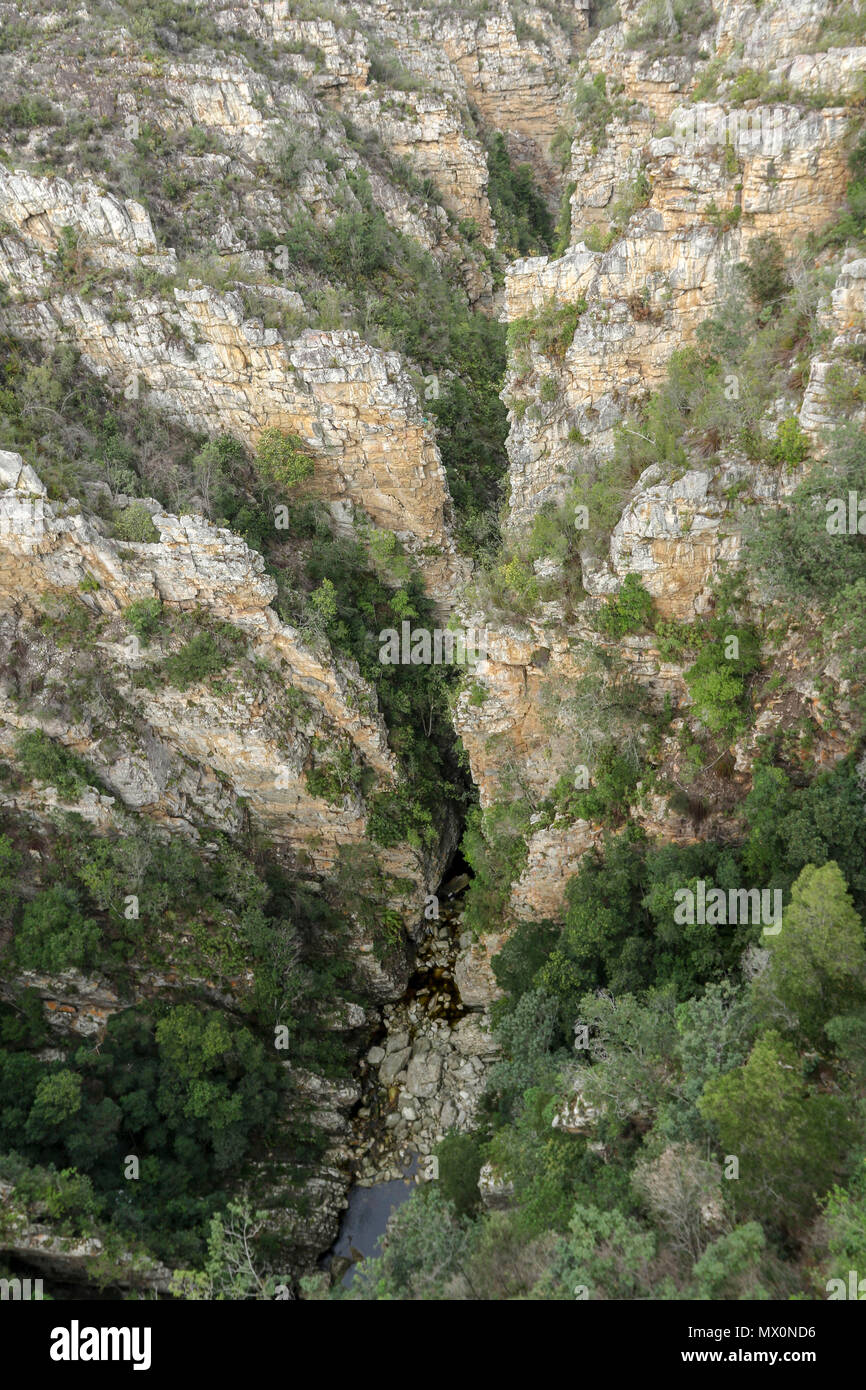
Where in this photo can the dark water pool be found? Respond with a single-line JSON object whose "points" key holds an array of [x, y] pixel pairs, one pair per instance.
{"points": [[366, 1217]]}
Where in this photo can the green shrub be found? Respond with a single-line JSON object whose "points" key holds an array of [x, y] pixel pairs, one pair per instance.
{"points": [[494, 844], [603, 493], [385, 67], [134, 523], [718, 683], [205, 653], [631, 610], [144, 617], [46, 761], [791, 547], [843, 26], [764, 269], [791, 445], [562, 234], [280, 458], [335, 778], [66, 1197], [399, 817], [68, 621], [607, 800], [460, 1160], [551, 329], [748, 85], [597, 238], [54, 935], [630, 197], [850, 225], [593, 110], [26, 112], [201, 657], [560, 146]]}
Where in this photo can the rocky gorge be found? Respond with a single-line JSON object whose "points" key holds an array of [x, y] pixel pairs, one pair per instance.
{"points": [[318, 321]]}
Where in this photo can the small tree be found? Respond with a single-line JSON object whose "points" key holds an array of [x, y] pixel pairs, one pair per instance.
{"points": [[631, 610], [764, 269], [231, 1269], [280, 458], [817, 962], [790, 1139], [682, 1191]]}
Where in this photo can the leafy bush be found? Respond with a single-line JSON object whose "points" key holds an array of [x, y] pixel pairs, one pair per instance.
{"points": [[551, 329], [717, 682], [54, 935], [144, 617], [335, 777], [791, 445], [791, 547], [560, 146], [792, 826], [786, 1166], [593, 109], [46, 761], [460, 1160], [764, 269], [631, 610], [399, 817], [207, 651], [843, 25], [280, 458], [562, 234], [134, 523], [817, 965], [201, 657], [68, 621], [607, 800], [494, 845], [603, 493], [385, 67], [26, 112]]}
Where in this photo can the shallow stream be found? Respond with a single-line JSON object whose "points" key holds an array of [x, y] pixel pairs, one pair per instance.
{"points": [[384, 1151]]}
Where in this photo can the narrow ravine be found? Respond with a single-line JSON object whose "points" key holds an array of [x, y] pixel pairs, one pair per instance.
{"points": [[422, 1075]]}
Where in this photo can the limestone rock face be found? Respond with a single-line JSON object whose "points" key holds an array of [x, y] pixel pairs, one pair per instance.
{"points": [[646, 295], [208, 365], [69, 1259], [473, 973], [198, 752], [666, 196], [411, 74], [844, 317], [495, 1190]]}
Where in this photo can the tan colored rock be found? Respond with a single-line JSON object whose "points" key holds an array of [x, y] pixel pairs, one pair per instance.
{"points": [[213, 368], [473, 974]]}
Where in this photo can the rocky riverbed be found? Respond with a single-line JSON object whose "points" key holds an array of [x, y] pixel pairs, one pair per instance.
{"points": [[425, 1073]]}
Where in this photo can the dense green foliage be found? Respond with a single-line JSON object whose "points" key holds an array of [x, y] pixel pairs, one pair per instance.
{"points": [[521, 215], [192, 1091], [630, 611]]}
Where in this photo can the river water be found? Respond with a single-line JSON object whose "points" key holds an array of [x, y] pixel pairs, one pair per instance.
{"points": [[367, 1216], [431, 995]]}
